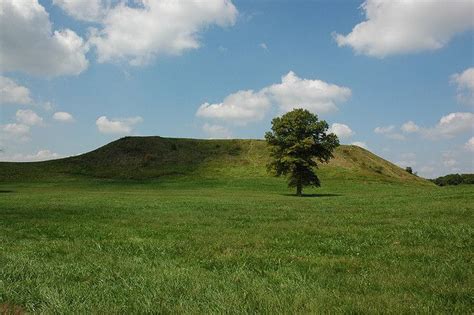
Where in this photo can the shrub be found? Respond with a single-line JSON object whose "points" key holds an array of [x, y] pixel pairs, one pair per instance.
{"points": [[454, 179]]}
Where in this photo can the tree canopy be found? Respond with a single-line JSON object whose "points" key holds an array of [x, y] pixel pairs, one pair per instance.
{"points": [[298, 142]]}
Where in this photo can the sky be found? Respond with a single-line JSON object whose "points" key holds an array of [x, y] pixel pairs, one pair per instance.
{"points": [[395, 77]]}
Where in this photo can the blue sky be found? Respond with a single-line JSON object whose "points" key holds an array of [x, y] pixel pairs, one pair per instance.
{"points": [[217, 72]]}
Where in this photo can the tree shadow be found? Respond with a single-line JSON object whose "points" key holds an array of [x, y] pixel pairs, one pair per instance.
{"points": [[312, 195], [6, 191]]}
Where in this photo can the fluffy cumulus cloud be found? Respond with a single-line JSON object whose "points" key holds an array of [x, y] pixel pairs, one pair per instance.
{"points": [[19, 131], [314, 95], [85, 10], [15, 132], [28, 117], [396, 27], [465, 86], [137, 33], [293, 92], [63, 117], [469, 145], [410, 127], [28, 44], [117, 126], [216, 131], [240, 107], [12, 93], [448, 126], [134, 31], [41, 155], [451, 125], [341, 130]]}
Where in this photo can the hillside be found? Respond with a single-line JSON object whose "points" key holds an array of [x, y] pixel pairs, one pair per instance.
{"points": [[157, 157]]}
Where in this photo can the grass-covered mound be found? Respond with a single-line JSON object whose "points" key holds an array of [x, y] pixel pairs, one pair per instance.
{"points": [[202, 228], [157, 157]]}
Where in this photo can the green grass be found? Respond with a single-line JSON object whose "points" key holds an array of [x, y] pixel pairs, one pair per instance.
{"points": [[155, 157], [235, 245], [160, 225]]}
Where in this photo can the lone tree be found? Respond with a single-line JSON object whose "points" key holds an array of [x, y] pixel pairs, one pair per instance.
{"points": [[298, 141]]}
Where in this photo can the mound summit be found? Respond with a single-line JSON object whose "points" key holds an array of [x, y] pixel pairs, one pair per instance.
{"points": [[139, 158]]}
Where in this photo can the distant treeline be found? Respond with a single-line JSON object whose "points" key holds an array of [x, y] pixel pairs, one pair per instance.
{"points": [[454, 179]]}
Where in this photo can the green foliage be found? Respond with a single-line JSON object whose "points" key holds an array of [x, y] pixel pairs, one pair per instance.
{"points": [[409, 170], [454, 179], [299, 140]]}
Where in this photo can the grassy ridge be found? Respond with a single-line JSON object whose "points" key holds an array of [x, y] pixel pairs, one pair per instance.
{"points": [[156, 157]]}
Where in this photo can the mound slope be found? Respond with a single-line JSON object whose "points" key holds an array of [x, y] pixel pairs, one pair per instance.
{"points": [[157, 157]]}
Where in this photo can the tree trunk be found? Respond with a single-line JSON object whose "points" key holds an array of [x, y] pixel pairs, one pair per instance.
{"points": [[299, 189]]}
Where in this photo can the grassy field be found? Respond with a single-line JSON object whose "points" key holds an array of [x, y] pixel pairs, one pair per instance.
{"points": [[236, 246], [187, 226]]}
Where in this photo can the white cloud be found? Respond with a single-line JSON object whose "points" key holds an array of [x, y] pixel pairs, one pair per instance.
{"points": [[447, 127], [85, 10], [12, 93], [63, 117], [465, 86], [469, 145], [341, 130], [28, 44], [15, 132], [140, 32], [314, 95], [451, 125], [16, 129], [41, 155], [117, 126], [384, 130], [410, 127], [216, 131], [360, 144], [389, 132], [28, 117], [397, 27], [263, 46], [240, 108], [293, 92]]}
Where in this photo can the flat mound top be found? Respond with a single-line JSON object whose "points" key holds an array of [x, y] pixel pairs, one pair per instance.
{"points": [[157, 157]]}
